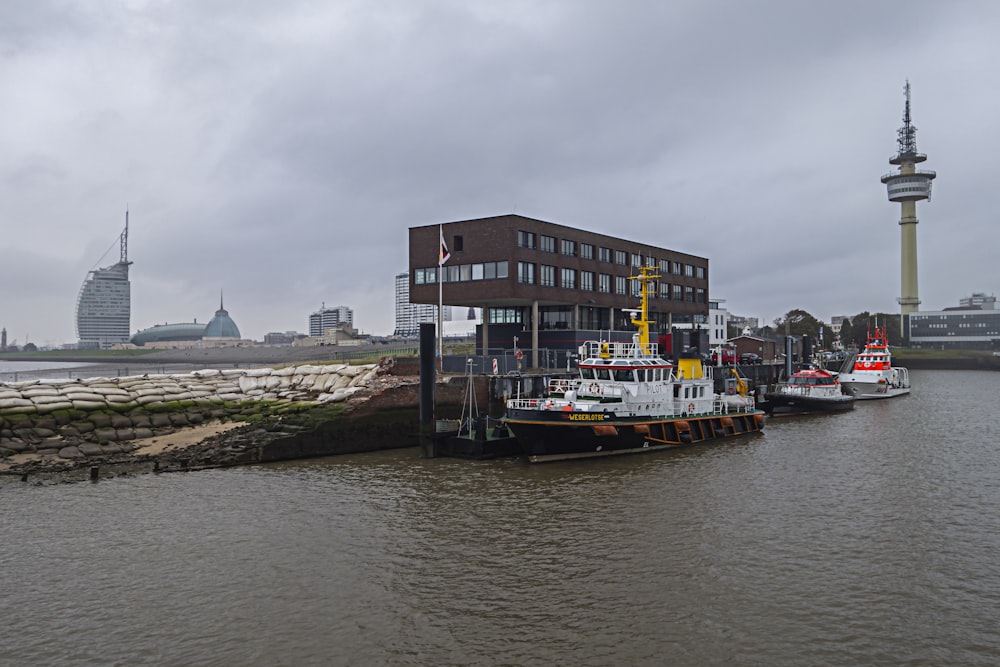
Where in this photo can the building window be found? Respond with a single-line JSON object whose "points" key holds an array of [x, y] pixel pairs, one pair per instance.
{"points": [[586, 251], [547, 278], [526, 239], [424, 276], [665, 291], [604, 283], [678, 293], [636, 288], [569, 279], [700, 272], [678, 269], [456, 243], [547, 244], [621, 257], [689, 294], [620, 284], [526, 273], [701, 295], [568, 247], [689, 270], [636, 259], [651, 261], [587, 280], [604, 255]]}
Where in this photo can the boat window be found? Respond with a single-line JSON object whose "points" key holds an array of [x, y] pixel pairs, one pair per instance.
{"points": [[603, 374], [623, 375]]}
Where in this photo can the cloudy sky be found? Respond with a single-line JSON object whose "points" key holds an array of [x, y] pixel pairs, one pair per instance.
{"points": [[279, 151]]}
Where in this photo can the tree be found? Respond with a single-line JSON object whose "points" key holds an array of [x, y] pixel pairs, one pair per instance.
{"points": [[846, 333], [799, 323]]}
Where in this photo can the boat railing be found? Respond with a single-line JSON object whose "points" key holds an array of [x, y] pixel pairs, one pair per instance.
{"points": [[738, 404], [604, 349]]}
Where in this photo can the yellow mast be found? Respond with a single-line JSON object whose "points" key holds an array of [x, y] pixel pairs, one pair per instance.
{"points": [[647, 277]]}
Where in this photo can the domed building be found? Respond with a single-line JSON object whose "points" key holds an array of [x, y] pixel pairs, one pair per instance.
{"points": [[219, 332], [221, 326]]}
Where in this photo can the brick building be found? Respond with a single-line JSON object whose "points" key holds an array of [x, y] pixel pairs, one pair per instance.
{"points": [[551, 285]]}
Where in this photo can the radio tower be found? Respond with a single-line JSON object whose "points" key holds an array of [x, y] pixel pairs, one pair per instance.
{"points": [[908, 186]]}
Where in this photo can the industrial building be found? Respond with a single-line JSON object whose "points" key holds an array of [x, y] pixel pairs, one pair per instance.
{"points": [[973, 325]]}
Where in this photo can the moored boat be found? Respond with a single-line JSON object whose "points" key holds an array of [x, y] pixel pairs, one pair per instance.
{"points": [[629, 399], [871, 373], [810, 389]]}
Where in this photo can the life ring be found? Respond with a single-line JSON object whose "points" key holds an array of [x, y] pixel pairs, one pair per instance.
{"points": [[519, 355], [690, 408], [868, 364], [593, 388]]}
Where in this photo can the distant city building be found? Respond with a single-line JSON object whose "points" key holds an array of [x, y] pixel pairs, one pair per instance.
{"points": [[164, 335], [3, 339], [104, 305], [409, 316], [974, 325], [744, 323], [221, 326], [282, 338], [221, 331], [718, 321], [979, 300], [330, 318]]}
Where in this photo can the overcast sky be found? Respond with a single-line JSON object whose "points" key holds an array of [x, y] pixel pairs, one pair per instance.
{"points": [[279, 151]]}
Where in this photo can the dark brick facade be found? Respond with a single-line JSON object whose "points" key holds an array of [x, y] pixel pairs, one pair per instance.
{"points": [[496, 239]]}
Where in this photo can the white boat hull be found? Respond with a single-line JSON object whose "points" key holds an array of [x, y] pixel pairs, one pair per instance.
{"points": [[862, 390]]}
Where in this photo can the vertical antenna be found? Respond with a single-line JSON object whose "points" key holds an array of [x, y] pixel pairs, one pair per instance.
{"points": [[123, 259], [907, 135]]}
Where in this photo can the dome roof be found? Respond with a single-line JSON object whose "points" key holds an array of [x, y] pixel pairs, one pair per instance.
{"points": [[222, 326], [186, 331]]}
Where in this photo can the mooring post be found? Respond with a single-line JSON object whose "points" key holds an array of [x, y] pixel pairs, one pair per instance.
{"points": [[95, 473], [428, 378]]}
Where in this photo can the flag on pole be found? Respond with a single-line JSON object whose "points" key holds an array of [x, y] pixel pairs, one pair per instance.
{"points": [[443, 254]]}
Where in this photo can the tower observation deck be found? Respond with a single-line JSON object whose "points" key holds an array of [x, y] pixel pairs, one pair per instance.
{"points": [[908, 186]]}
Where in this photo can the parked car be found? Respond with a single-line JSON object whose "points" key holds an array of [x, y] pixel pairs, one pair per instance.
{"points": [[750, 358]]}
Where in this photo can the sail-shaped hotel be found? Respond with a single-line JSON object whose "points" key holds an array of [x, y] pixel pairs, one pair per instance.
{"points": [[104, 306]]}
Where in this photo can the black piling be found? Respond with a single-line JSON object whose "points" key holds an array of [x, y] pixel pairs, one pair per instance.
{"points": [[428, 378], [95, 473]]}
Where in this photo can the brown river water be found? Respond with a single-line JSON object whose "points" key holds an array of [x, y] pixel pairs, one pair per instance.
{"points": [[863, 538]]}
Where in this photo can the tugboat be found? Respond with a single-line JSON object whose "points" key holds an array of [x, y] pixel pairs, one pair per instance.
{"points": [[871, 373], [628, 399], [810, 389]]}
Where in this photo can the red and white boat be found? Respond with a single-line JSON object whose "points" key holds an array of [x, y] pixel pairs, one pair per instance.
{"points": [[811, 389], [871, 373]]}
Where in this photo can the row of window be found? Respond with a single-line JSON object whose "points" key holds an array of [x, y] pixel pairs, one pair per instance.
{"points": [[551, 276], [570, 248], [457, 273]]}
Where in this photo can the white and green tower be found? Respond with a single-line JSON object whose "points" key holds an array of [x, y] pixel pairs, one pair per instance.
{"points": [[908, 186]]}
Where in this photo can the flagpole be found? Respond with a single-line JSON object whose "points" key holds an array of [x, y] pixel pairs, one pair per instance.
{"points": [[440, 297]]}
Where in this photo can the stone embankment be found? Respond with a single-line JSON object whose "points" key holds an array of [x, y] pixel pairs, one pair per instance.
{"points": [[63, 424]]}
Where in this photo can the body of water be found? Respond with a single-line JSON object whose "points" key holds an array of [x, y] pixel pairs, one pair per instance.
{"points": [[863, 538]]}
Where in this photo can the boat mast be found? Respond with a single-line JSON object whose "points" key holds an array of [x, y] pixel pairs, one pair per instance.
{"points": [[646, 276]]}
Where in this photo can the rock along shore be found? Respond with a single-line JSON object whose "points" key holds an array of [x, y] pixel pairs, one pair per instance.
{"points": [[203, 418]]}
